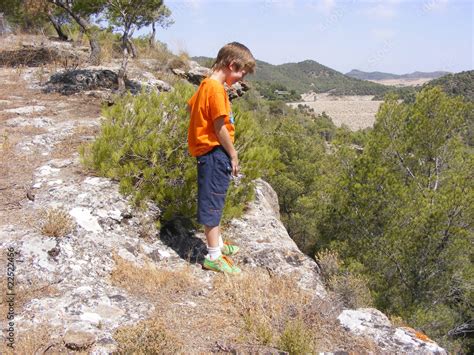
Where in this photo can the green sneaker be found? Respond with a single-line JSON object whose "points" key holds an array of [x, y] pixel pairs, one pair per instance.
{"points": [[221, 264], [229, 249]]}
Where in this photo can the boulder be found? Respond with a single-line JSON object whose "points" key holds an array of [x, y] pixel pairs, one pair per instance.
{"points": [[373, 324]]}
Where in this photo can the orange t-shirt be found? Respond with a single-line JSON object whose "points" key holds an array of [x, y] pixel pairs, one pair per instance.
{"points": [[209, 102]]}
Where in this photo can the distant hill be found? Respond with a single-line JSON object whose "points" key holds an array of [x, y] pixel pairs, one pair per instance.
{"points": [[456, 84], [306, 76], [376, 75]]}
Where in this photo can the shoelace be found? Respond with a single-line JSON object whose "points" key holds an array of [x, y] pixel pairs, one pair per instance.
{"points": [[228, 260]]}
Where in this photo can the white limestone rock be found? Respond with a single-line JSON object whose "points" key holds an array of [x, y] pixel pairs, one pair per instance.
{"points": [[373, 324]]}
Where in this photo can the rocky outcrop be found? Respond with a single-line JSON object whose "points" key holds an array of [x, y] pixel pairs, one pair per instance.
{"points": [[197, 73], [74, 81], [37, 53], [371, 323], [194, 75]]}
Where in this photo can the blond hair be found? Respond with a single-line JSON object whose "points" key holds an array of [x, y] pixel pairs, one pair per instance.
{"points": [[237, 53]]}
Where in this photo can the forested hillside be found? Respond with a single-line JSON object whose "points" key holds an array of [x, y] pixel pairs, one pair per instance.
{"points": [[391, 206], [456, 84]]}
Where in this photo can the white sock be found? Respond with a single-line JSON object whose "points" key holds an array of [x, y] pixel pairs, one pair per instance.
{"points": [[214, 253], [221, 242]]}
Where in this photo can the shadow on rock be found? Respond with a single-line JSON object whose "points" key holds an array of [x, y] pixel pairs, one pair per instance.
{"points": [[179, 235]]}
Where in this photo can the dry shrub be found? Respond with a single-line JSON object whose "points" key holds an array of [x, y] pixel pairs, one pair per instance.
{"points": [[352, 290], [397, 321], [178, 63], [296, 338], [158, 52], [150, 280], [268, 306], [147, 337], [329, 263], [55, 222], [274, 311]]}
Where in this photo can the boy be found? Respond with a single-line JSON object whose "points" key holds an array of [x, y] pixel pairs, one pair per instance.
{"points": [[210, 140]]}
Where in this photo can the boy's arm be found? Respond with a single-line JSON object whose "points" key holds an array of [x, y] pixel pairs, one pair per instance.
{"points": [[224, 139]]}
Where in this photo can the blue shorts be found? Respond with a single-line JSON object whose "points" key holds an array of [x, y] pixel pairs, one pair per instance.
{"points": [[214, 174]]}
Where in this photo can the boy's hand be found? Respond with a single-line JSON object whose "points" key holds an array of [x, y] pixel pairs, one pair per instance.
{"points": [[235, 165], [224, 139]]}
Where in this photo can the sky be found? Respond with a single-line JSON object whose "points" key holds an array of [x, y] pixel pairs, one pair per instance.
{"points": [[396, 36]]}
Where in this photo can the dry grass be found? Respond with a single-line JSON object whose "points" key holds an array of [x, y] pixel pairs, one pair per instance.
{"points": [[348, 288], [71, 143], [265, 304], [37, 341], [150, 281], [55, 222], [329, 263], [351, 290], [275, 312], [296, 338], [147, 337]]}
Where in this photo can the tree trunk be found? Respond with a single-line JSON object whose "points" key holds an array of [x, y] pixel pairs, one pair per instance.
{"points": [[123, 67], [57, 27], [94, 58], [131, 47], [95, 48], [151, 40]]}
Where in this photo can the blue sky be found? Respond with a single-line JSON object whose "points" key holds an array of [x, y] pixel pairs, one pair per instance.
{"points": [[397, 36]]}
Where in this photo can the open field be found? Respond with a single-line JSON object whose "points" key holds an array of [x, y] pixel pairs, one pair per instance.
{"points": [[402, 82], [356, 112]]}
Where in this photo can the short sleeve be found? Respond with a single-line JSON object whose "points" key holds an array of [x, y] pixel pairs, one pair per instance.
{"points": [[217, 106], [191, 100]]}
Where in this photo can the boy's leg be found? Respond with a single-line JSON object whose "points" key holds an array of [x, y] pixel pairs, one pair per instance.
{"points": [[212, 237], [214, 171]]}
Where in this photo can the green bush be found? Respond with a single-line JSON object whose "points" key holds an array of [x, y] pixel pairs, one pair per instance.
{"points": [[143, 145]]}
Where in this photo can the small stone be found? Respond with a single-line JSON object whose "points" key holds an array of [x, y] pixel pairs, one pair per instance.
{"points": [[85, 219], [93, 318], [78, 340]]}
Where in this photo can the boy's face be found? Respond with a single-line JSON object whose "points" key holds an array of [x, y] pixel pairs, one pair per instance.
{"points": [[233, 75]]}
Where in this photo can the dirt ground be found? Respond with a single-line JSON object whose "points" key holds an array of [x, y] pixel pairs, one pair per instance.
{"points": [[20, 155]]}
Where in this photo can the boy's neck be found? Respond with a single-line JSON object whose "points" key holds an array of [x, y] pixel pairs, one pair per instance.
{"points": [[219, 76]]}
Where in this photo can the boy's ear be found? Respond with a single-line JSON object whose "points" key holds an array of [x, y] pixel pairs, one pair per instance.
{"points": [[232, 65]]}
